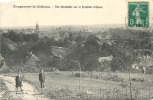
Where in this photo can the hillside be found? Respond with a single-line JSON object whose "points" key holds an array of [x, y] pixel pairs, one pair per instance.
{"points": [[83, 47], [8, 43]]}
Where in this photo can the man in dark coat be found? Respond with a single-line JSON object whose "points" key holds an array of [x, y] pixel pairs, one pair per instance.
{"points": [[42, 78], [18, 80]]}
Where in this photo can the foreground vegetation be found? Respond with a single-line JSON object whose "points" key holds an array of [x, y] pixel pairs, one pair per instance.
{"points": [[3, 89], [63, 85]]}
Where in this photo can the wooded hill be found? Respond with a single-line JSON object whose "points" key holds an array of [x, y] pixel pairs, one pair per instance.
{"points": [[86, 50]]}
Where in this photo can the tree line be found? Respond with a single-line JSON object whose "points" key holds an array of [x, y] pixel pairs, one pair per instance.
{"points": [[84, 49]]}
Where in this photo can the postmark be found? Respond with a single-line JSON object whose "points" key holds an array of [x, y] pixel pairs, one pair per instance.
{"points": [[139, 18]]}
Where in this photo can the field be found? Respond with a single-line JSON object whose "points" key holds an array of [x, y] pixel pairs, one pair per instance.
{"points": [[63, 85]]}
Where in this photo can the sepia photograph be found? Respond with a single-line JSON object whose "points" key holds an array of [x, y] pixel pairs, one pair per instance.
{"points": [[76, 50]]}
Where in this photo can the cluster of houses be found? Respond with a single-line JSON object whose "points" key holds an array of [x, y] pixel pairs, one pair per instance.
{"points": [[143, 63], [32, 62], [144, 60], [30, 66], [59, 33], [20, 31], [144, 57]]}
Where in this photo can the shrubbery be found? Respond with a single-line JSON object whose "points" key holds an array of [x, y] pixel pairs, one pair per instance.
{"points": [[13, 36]]}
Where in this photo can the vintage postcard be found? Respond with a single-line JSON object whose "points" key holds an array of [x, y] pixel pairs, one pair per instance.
{"points": [[76, 50]]}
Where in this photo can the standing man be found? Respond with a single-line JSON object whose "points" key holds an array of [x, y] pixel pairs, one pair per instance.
{"points": [[18, 80], [42, 78]]}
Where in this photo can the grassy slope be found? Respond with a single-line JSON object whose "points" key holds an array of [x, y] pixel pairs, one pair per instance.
{"points": [[62, 85], [3, 89]]}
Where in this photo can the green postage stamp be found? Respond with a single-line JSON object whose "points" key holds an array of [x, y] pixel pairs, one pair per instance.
{"points": [[138, 14]]}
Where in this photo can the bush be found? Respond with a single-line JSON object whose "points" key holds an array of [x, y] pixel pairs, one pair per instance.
{"points": [[138, 79], [114, 78], [77, 74]]}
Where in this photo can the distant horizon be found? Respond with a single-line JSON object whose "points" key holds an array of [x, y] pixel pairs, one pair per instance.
{"points": [[123, 25]]}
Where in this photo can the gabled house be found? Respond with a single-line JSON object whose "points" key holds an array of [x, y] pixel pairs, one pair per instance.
{"points": [[147, 65], [3, 67], [56, 57], [32, 64], [1, 58]]}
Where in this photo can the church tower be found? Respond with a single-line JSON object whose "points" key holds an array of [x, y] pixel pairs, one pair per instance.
{"points": [[37, 28]]}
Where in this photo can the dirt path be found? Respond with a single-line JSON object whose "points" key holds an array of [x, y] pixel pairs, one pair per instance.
{"points": [[2, 88], [11, 92]]}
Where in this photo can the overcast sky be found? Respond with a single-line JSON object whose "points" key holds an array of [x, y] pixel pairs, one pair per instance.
{"points": [[113, 12]]}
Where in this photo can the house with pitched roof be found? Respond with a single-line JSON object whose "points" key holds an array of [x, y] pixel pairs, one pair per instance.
{"points": [[3, 67], [31, 65]]}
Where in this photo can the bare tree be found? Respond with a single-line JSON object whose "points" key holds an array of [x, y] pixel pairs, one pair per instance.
{"points": [[125, 54]]}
